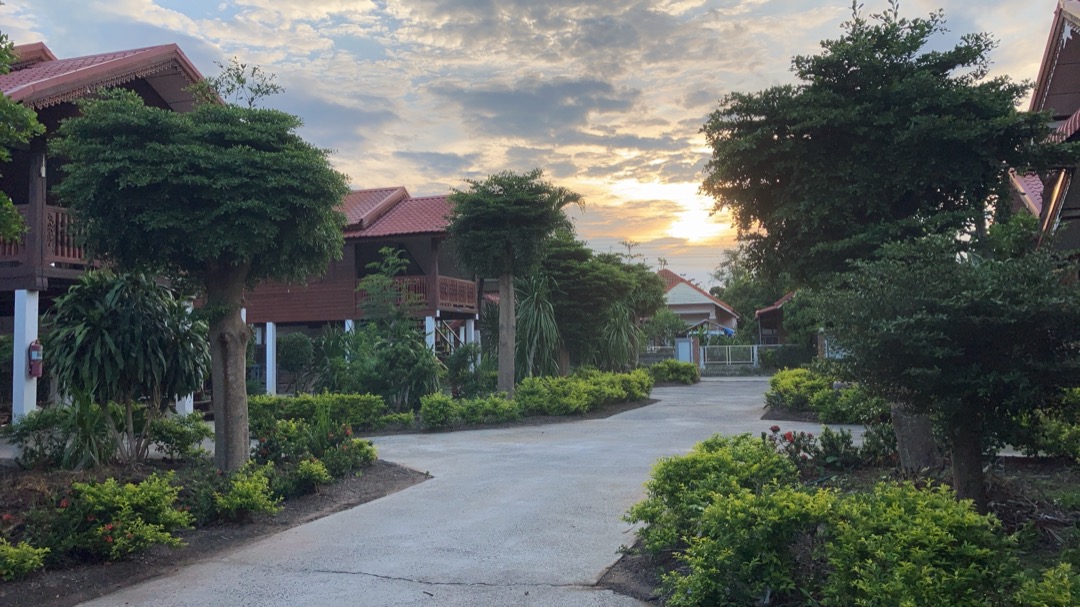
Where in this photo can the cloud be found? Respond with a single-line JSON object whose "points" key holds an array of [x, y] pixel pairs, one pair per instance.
{"points": [[532, 107], [440, 163]]}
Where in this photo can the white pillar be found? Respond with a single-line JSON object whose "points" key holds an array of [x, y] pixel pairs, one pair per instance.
{"points": [[429, 331], [470, 331], [185, 405], [243, 314], [24, 387], [350, 326], [271, 358]]}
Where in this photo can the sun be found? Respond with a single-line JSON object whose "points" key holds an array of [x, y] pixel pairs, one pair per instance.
{"points": [[693, 222]]}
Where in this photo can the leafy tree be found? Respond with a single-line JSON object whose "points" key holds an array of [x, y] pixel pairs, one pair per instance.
{"points": [[222, 197], [972, 339], [124, 339], [745, 288], [883, 139], [499, 226], [18, 125], [664, 327], [296, 353]]}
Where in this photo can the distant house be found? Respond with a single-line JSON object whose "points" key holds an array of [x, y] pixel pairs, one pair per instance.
{"points": [[1049, 196], [696, 307], [375, 218], [48, 259], [771, 322]]}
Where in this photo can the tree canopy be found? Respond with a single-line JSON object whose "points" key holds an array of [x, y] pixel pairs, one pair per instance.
{"points": [[18, 125], [222, 197], [884, 138], [499, 227]]}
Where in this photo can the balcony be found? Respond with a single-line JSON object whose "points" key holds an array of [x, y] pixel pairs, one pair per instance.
{"points": [[58, 247], [453, 294]]}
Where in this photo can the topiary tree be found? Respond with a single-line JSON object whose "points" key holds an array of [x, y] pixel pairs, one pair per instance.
{"points": [[971, 339], [122, 338], [296, 353], [498, 228], [221, 197]]}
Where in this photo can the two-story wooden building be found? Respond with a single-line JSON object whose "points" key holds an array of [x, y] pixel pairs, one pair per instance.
{"points": [[46, 261]]}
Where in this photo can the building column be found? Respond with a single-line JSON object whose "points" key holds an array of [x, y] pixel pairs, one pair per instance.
{"points": [[271, 358], [350, 326], [470, 331], [24, 387], [185, 405], [429, 332]]}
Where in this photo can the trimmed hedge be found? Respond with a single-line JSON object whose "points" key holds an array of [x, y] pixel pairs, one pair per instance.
{"points": [[361, 411], [806, 390], [672, 371]]}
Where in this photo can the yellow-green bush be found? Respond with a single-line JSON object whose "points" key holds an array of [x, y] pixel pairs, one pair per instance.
{"points": [[682, 487], [438, 410], [674, 371], [19, 559], [361, 411], [248, 493], [793, 389]]}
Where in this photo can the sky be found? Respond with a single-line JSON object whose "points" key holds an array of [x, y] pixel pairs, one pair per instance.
{"points": [[607, 97]]}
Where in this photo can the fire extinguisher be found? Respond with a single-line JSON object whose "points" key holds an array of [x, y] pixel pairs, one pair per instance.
{"points": [[37, 356]]}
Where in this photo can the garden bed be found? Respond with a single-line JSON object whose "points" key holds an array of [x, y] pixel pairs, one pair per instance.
{"points": [[65, 587]]}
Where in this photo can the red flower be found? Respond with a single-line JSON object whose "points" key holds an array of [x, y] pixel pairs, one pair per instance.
{"points": [[774, 429], [348, 431], [90, 517], [108, 539], [64, 503], [108, 527], [789, 436], [7, 518]]}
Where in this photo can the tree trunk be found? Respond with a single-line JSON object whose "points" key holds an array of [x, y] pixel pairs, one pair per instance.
{"points": [[507, 333], [229, 337], [967, 461], [914, 440]]}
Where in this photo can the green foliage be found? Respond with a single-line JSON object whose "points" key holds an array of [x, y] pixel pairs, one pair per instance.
{"points": [[237, 84], [70, 436], [918, 137], [976, 341], [788, 356], [107, 520], [744, 554], [248, 493], [488, 410], [674, 371], [900, 545], [311, 473], [296, 353], [620, 339], [181, 437], [682, 487], [467, 375], [348, 456], [1058, 587], [836, 449], [438, 410], [745, 289], [663, 327], [395, 420], [20, 126], [800, 448], [538, 336], [793, 389], [18, 560], [123, 338], [362, 411]]}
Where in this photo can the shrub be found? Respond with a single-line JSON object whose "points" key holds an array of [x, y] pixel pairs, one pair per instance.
{"points": [[851, 405], [800, 448], [395, 420], [467, 375], [248, 493], [108, 520], [438, 410], [286, 442], [879, 444], [349, 456], [901, 545], [492, 409], [1058, 587], [19, 560], [199, 480], [836, 449], [181, 436], [681, 487], [746, 555], [356, 410], [793, 389], [70, 436], [674, 371], [311, 473]]}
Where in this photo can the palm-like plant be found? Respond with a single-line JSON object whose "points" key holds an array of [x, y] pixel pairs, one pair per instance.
{"points": [[538, 335]]}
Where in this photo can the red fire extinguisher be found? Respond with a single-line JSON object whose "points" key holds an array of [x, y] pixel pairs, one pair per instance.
{"points": [[37, 359]]}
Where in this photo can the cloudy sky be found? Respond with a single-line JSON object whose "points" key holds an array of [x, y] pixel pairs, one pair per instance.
{"points": [[607, 97]]}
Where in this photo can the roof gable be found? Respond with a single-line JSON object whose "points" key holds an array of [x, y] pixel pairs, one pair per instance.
{"points": [[680, 291], [39, 80], [363, 207], [408, 216]]}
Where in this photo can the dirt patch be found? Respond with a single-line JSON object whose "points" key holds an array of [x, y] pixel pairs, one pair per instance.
{"points": [[65, 587], [637, 574], [788, 415]]}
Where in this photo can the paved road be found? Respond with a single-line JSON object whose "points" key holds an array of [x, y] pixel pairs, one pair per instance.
{"points": [[515, 516]]}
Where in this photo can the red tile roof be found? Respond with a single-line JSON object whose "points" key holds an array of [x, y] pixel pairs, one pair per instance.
{"points": [[424, 215], [671, 279], [776, 306], [42, 80], [1030, 188], [363, 207]]}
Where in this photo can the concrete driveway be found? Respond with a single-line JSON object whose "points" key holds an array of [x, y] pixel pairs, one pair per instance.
{"points": [[514, 516]]}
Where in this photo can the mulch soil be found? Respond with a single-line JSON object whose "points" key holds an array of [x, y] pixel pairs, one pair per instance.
{"points": [[66, 587]]}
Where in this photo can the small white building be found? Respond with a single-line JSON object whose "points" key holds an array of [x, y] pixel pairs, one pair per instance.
{"points": [[695, 306]]}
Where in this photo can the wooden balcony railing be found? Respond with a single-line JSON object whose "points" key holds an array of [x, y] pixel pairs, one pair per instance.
{"points": [[60, 244], [453, 293]]}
